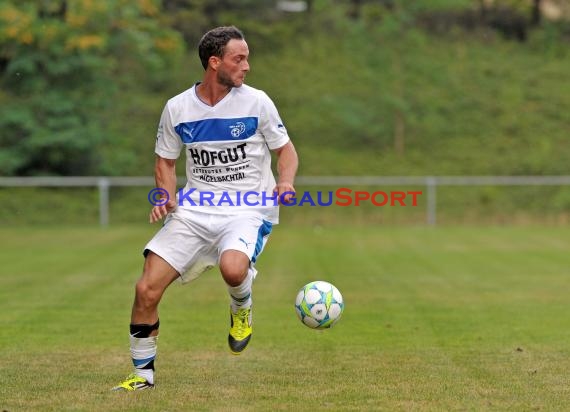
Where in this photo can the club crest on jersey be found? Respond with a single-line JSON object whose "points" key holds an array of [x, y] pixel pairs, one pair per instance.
{"points": [[237, 129]]}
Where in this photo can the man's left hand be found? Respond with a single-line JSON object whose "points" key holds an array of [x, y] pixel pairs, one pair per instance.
{"points": [[285, 192]]}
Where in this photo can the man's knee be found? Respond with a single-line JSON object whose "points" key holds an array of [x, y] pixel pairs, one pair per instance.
{"points": [[234, 265], [146, 294], [157, 275]]}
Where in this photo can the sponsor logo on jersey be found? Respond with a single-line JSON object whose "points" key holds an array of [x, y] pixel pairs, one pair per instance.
{"points": [[217, 157], [224, 178], [187, 132]]}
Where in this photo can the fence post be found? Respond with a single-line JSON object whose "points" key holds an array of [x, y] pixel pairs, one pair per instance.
{"points": [[103, 184], [431, 186]]}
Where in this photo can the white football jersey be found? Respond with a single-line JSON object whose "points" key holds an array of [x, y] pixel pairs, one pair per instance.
{"points": [[228, 162]]}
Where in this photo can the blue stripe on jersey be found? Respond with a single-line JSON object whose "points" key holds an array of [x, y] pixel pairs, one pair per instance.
{"points": [[264, 231], [215, 130]]}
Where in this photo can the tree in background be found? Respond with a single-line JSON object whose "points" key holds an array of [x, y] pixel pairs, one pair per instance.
{"points": [[62, 63], [192, 18], [82, 81], [535, 14]]}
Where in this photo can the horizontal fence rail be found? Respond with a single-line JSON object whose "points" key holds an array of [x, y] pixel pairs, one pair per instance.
{"points": [[103, 183]]}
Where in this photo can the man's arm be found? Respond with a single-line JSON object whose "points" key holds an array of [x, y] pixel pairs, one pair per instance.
{"points": [[287, 164], [165, 178]]}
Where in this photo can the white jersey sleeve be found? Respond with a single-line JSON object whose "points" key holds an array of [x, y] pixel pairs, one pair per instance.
{"points": [[271, 125], [168, 144]]}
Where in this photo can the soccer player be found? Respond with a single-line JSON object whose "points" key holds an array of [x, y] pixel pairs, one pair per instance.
{"points": [[225, 213]]}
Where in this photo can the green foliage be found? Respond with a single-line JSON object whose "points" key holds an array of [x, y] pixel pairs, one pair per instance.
{"points": [[192, 18], [61, 60], [468, 107], [372, 92]]}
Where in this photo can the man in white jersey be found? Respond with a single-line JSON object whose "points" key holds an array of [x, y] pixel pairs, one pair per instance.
{"points": [[224, 214]]}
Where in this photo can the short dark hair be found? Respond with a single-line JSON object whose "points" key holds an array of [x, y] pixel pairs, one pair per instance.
{"points": [[214, 42]]}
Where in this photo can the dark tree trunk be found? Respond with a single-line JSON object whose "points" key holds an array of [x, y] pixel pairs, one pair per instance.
{"points": [[354, 10], [535, 14], [48, 10]]}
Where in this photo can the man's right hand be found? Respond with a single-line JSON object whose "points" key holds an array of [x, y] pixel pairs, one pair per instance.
{"points": [[159, 212]]}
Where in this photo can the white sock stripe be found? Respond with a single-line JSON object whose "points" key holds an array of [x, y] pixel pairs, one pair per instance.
{"points": [[143, 349], [143, 343]]}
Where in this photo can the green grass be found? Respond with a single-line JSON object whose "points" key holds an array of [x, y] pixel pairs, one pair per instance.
{"points": [[435, 319]]}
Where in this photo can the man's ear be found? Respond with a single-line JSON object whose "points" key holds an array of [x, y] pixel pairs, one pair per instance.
{"points": [[214, 62]]}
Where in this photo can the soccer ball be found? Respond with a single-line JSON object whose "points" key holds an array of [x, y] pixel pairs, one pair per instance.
{"points": [[319, 305]]}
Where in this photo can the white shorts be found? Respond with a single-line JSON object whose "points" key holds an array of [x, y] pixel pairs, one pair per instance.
{"points": [[193, 242]]}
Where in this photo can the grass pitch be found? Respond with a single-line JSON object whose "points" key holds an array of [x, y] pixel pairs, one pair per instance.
{"points": [[435, 319]]}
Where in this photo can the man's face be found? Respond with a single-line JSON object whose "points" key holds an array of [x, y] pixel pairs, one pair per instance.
{"points": [[233, 65]]}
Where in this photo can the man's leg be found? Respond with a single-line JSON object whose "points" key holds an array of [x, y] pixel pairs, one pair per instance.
{"points": [[157, 276], [234, 266], [243, 241]]}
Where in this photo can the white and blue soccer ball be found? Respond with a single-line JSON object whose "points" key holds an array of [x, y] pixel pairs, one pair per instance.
{"points": [[319, 305]]}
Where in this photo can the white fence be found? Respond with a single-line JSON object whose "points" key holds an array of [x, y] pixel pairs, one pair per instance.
{"points": [[429, 182]]}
